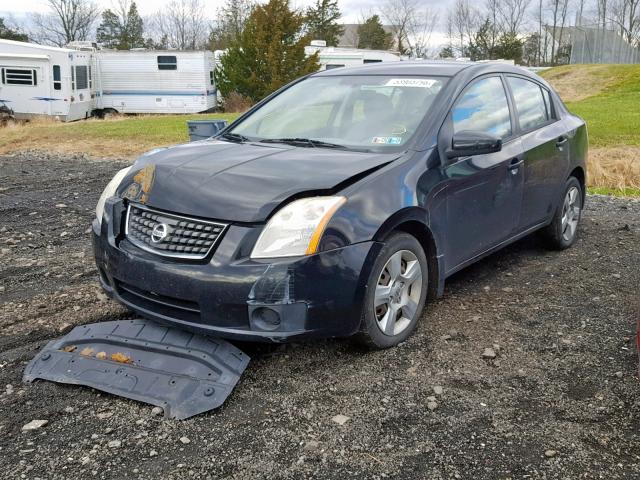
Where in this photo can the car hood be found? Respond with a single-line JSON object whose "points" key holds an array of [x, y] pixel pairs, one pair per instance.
{"points": [[240, 182]]}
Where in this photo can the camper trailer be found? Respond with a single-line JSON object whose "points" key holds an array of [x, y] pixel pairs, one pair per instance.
{"points": [[336, 57], [73, 83], [151, 81], [36, 80]]}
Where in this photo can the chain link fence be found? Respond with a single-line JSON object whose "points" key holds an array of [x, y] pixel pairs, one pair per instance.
{"points": [[592, 44]]}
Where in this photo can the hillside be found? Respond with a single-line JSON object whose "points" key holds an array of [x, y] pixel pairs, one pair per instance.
{"points": [[608, 98]]}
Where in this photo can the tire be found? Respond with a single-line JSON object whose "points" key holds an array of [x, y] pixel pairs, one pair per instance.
{"points": [[562, 232], [399, 278]]}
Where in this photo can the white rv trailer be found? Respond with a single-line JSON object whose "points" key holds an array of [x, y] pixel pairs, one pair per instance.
{"points": [[336, 57], [36, 80], [151, 81]]}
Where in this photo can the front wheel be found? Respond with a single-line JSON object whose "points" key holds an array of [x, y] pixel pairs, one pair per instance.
{"points": [[396, 293], [561, 233]]}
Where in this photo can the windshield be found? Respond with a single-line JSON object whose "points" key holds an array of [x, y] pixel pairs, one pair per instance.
{"points": [[375, 113]]}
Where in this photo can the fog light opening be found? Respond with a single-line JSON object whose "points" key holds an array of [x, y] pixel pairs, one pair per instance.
{"points": [[266, 318]]}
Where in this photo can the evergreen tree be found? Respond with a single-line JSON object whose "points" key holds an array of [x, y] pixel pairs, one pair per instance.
{"points": [[322, 22], [480, 43], [267, 54], [371, 35], [122, 30], [446, 52], [134, 28], [9, 33], [109, 30], [509, 47]]}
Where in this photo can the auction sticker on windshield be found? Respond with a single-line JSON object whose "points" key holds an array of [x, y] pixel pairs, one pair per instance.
{"points": [[387, 140], [411, 82]]}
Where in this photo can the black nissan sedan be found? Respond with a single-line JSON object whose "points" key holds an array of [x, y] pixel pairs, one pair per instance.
{"points": [[340, 204]]}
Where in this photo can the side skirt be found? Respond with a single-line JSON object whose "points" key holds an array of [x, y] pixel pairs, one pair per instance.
{"points": [[495, 248]]}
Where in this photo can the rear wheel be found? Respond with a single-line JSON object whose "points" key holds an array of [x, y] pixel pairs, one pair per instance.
{"points": [[563, 230], [396, 293]]}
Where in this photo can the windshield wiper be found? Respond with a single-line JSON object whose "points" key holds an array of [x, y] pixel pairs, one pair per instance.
{"points": [[303, 142], [235, 137]]}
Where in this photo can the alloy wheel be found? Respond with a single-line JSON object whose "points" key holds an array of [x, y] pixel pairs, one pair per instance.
{"points": [[398, 293], [570, 214]]}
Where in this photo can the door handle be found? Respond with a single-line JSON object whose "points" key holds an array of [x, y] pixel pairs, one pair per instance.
{"points": [[515, 164], [561, 141]]}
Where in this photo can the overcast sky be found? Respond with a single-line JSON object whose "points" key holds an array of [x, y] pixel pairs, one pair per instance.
{"points": [[352, 9]]}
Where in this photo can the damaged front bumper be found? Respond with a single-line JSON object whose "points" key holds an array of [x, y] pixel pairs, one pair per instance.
{"points": [[228, 294]]}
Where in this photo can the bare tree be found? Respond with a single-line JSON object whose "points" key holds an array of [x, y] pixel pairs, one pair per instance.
{"points": [[68, 21], [563, 22], [542, 52], [411, 25], [580, 12], [603, 6], [511, 15], [425, 24], [400, 15], [461, 23], [492, 7], [625, 15], [229, 24], [183, 24], [559, 10]]}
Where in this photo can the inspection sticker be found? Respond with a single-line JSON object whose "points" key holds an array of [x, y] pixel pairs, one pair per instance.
{"points": [[387, 140], [411, 82]]}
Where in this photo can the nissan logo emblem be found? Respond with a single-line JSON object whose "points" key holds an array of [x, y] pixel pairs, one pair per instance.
{"points": [[159, 233]]}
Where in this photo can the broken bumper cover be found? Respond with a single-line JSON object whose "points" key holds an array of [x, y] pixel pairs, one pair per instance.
{"points": [[231, 296], [181, 372]]}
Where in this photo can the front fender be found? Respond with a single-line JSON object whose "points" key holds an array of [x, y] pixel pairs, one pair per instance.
{"points": [[395, 190], [403, 195]]}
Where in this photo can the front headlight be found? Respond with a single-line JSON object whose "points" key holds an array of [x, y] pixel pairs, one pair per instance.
{"points": [[296, 229], [110, 191]]}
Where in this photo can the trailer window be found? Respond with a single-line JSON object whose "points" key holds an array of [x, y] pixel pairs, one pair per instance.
{"points": [[90, 80], [19, 76], [57, 78], [73, 78], [372, 60], [331, 66], [82, 77], [167, 62], [211, 77]]}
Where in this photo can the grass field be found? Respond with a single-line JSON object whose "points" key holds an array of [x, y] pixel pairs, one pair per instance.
{"points": [[606, 96], [120, 136]]}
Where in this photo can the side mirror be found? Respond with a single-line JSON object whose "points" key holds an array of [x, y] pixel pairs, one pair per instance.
{"points": [[468, 143]]}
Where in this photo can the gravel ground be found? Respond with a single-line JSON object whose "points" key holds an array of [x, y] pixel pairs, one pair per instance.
{"points": [[561, 398]]}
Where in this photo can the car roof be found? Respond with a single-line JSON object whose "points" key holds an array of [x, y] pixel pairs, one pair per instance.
{"points": [[447, 68]]}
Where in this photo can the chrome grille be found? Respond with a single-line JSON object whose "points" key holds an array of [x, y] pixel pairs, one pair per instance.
{"points": [[175, 236]]}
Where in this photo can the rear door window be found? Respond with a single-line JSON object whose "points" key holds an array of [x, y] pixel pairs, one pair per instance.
{"points": [[483, 107], [531, 108]]}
